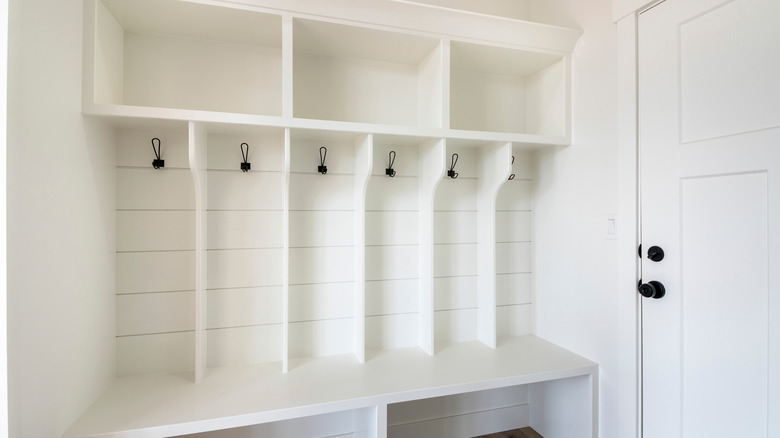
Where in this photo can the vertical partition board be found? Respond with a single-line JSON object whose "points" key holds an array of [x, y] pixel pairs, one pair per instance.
{"points": [[287, 66], [433, 87], [494, 168], [432, 157], [286, 254], [197, 150], [364, 160], [366, 422]]}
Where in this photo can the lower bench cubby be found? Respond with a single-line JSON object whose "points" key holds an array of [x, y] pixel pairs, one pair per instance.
{"points": [[357, 423], [525, 432]]}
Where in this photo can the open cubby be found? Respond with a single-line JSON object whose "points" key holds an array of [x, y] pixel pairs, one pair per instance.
{"points": [[392, 250], [501, 89], [155, 245], [455, 250], [354, 423], [167, 53], [357, 74], [514, 240], [244, 246], [322, 279]]}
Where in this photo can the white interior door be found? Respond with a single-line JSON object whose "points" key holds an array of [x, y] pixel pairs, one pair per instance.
{"points": [[709, 105]]}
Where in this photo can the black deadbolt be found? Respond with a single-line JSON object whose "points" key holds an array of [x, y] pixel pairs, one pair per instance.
{"points": [[652, 289], [655, 253]]}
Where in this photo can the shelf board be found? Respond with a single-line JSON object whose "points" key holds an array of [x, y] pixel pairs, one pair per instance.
{"points": [[129, 115], [171, 404]]}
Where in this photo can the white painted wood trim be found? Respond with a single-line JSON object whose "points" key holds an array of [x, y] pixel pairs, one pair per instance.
{"points": [[128, 113], [287, 66], [197, 156], [3, 220], [628, 301], [495, 165], [286, 255], [413, 18], [445, 83], [246, 392], [364, 159], [432, 164], [381, 421]]}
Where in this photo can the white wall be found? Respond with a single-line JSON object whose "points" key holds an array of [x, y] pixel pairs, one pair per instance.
{"points": [[61, 225], [3, 210], [576, 267]]}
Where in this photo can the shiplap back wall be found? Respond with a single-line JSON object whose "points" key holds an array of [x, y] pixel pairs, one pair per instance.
{"points": [[245, 231], [155, 254]]}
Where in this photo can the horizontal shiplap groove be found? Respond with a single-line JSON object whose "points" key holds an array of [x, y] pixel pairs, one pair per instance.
{"points": [[244, 209], [306, 321], [469, 210], [379, 315], [392, 279], [391, 211], [229, 327], [243, 248], [391, 245], [163, 169], [155, 334], [144, 251], [456, 244], [264, 286], [321, 210], [317, 173], [454, 310], [514, 211], [119, 294], [239, 170], [514, 304], [155, 209], [514, 241], [444, 417], [321, 282]]}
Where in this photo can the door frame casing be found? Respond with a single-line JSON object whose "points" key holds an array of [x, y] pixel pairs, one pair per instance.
{"points": [[629, 379]]}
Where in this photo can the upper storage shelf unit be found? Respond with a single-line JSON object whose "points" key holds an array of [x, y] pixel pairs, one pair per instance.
{"points": [[381, 68], [174, 54]]}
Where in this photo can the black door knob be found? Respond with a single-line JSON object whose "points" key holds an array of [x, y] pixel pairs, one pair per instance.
{"points": [[655, 253], [652, 289]]}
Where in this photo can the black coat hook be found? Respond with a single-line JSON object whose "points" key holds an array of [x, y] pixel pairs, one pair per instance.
{"points": [[157, 162], [451, 173], [322, 168], [391, 159], [245, 165], [512, 176]]}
